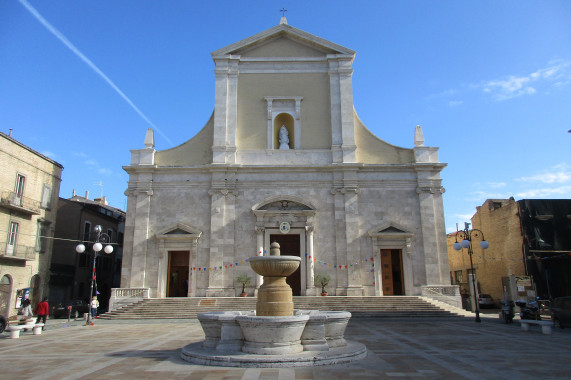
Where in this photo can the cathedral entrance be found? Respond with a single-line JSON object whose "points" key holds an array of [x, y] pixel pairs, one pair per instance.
{"points": [[177, 285], [391, 272], [290, 246]]}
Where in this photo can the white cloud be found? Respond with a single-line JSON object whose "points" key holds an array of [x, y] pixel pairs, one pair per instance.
{"points": [[91, 163], [104, 171], [496, 185], [79, 154], [513, 86], [557, 174], [49, 154], [562, 191], [455, 103]]}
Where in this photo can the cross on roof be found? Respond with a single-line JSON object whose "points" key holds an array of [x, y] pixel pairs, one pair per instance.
{"points": [[283, 10]]}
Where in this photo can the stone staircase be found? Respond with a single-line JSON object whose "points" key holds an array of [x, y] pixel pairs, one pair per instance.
{"points": [[187, 308]]}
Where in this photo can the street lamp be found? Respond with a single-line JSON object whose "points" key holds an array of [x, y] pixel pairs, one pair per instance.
{"points": [[466, 242], [100, 237]]}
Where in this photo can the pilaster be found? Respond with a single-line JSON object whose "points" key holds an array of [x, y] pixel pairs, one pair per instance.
{"points": [[225, 110], [135, 250]]}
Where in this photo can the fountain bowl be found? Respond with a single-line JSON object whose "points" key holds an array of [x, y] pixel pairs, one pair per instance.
{"points": [[274, 266]]}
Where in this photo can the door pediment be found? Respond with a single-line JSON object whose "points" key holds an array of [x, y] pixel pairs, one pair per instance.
{"points": [[179, 231]]}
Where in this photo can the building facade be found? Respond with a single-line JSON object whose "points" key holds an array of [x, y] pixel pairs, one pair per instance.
{"points": [[285, 158], [530, 240], [71, 271], [29, 182]]}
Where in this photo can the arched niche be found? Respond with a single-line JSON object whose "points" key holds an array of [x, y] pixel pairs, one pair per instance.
{"points": [[284, 110], [286, 120]]}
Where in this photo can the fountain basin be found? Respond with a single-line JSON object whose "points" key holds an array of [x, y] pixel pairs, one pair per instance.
{"points": [[242, 339], [272, 335], [274, 266]]}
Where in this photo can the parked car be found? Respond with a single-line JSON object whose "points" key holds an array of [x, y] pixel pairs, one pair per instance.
{"points": [[2, 323], [486, 301], [78, 307], [561, 312]]}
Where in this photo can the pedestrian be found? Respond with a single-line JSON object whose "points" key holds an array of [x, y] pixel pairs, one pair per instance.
{"points": [[25, 310], [94, 306], [42, 310]]}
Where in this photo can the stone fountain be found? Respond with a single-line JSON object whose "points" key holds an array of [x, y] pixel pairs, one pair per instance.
{"points": [[275, 335]]}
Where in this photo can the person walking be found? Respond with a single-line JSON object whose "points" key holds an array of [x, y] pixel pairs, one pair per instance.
{"points": [[94, 306], [25, 310], [42, 310]]}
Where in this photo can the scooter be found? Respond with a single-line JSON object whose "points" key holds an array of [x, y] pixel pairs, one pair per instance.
{"points": [[529, 310]]}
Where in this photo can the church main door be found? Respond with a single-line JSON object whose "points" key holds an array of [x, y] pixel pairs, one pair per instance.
{"points": [[391, 272], [290, 246], [177, 285]]}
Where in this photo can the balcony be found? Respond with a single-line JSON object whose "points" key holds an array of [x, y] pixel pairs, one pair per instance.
{"points": [[17, 252], [24, 205]]}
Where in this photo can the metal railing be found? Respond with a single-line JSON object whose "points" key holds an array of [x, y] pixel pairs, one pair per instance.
{"points": [[17, 251], [10, 199]]}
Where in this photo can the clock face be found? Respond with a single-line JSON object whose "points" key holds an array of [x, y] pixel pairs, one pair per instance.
{"points": [[284, 227]]}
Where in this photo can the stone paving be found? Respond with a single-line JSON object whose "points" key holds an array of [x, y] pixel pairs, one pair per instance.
{"points": [[420, 349]]}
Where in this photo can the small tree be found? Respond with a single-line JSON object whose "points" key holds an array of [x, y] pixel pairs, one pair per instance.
{"points": [[322, 280], [244, 279]]}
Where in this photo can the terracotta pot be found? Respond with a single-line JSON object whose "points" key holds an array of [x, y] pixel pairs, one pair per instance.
{"points": [[324, 294], [244, 295]]}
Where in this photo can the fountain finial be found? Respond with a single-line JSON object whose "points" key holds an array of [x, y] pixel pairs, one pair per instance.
{"points": [[275, 249]]}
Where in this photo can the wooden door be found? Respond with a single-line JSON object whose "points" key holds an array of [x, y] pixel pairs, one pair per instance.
{"points": [[290, 246], [391, 272]]}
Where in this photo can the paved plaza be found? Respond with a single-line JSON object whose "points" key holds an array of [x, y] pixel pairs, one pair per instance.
{"points": [[420, 349]]}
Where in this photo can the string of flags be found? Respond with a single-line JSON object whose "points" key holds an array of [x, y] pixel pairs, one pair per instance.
{"points": [[308, 257]]}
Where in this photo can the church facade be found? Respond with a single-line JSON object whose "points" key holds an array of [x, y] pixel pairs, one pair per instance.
{"points": [[284, 157]]}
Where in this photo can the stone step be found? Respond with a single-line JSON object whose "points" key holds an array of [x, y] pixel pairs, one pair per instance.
{"points": [[185, 308]]}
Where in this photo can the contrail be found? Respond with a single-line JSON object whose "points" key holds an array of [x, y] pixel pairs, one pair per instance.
{"points": [[76, 51]]}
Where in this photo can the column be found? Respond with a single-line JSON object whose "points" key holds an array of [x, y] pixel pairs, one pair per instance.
{"points": [[260, 244], [310, 270], [192, 263]]}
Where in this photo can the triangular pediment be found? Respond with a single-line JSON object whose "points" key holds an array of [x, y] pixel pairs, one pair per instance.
{"points": [[283, 46], [179, 230], [389, 230], [285, 35]]}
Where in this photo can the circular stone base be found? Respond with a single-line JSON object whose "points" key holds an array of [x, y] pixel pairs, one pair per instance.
{"points": [[195, 353]]}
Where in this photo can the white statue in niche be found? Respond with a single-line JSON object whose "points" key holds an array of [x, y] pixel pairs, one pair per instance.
{"points": [[283, 138]]}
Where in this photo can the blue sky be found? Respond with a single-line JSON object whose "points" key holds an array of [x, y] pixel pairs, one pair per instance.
{"points": [[488, 81]]}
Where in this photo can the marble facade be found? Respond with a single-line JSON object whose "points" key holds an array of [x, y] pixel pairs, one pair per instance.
{"points": [[344, 194]]}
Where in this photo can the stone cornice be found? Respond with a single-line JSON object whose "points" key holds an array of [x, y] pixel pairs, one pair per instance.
{"points": [[430, 189]]}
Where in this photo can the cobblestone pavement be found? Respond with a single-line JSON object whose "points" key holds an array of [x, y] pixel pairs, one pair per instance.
{"points": [[419, 349]]}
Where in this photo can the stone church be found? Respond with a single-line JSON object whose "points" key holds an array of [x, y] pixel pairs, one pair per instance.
{"points": [[285, 157]]}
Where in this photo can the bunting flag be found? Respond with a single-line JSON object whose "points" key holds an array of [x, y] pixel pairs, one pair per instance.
{"points": [[309, 257]]}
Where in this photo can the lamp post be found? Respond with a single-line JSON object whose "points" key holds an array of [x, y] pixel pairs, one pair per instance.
{"points": [[100, 238], [467, 236]]}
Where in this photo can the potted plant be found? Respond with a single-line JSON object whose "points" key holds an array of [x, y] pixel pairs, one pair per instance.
{"points": [[245, 281], [322, 280]]}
